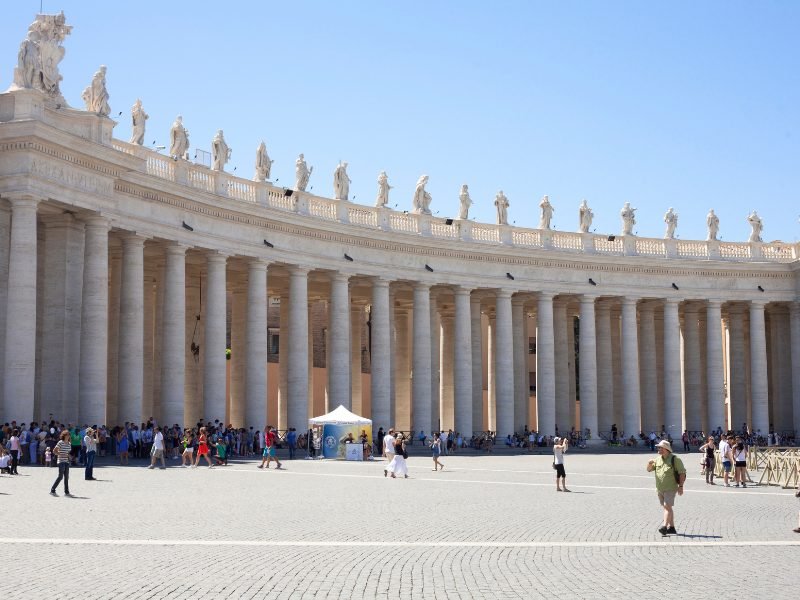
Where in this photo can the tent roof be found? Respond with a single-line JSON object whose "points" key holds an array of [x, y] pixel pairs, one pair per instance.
{"points": [[340, 415]]}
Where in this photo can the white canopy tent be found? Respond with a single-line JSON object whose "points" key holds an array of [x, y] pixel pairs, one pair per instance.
{"points": [[329, 432], [340, 416]]}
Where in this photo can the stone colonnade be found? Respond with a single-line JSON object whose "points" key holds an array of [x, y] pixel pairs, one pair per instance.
{"points": [[101, 325]]}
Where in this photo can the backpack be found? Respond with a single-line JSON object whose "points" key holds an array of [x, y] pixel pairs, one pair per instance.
{"points": [[674, 472]]}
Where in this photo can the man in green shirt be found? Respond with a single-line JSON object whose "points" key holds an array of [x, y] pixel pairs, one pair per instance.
{"points": [[670, 475]]}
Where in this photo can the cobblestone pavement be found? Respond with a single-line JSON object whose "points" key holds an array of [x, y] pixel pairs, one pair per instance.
{"points": [[485, 527]]}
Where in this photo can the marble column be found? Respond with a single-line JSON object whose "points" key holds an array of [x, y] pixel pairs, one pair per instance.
{"points": [[605, 372], [436, 334], [339, 342], [193, 391], [19, 373], [504, 366], [617, 366], [5, 235], [297, 377], [216, 325], [447, 364], [283, 365], [257, 334], [491, 376], [421, 379], [572, 383], [94, 323], [520, 364], [758, 368], [783, 418], [651, 419], [545, 365], [794, 336], [131, 330], [238, 361], [173, 353], [462, 363], [691, 368], [402, 368], [715, 378], [632, 418], [588, 366], [158, 341], [356, 320], [380, 365], [148, 357], [738, 361], [561, 364], [673, 388], [476, 331]]}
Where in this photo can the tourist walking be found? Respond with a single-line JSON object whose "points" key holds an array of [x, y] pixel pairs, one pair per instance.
{"points": [[398, 465], [157, 451], [388, 449], [670, 475], [560, 445], [740, 463], [270, 442], [202, 449], [63, 450], [436, 450], [90, 442], [709, 461], [726, 456], [188, 448]]}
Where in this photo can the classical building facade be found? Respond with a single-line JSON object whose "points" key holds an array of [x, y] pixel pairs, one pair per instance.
{"points": [[125, 274]]}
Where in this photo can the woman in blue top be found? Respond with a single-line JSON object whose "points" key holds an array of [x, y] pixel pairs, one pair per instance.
{"points": [[436, 450], [122, 447]]}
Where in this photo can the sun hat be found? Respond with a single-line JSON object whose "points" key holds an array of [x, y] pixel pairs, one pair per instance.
{"points": [[664, 444]]}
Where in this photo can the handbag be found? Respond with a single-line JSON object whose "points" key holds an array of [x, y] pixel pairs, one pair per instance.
{"points": [[554, 465]]}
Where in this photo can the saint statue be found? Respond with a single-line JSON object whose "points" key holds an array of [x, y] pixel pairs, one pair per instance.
{"points": [[501, 202], [138, 118], [546, 214], [464, 203], [382, 199], [301, 174], [712, 223], [671, 219], [757, 226], [421, 203], [178, 139], [39, 56], [263, 163], [628, 214], [341, 182], [220, 153], [585, 216], [96, 96]]}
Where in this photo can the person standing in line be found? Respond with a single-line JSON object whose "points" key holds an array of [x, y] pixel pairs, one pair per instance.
{"points": [[157, 452], [202, 449], [122, 446], [63, 450], [726, 456], [270, 440], [560, 445], [14, 447], [436, 450], [740, 462], [709, 463], [291, 441], [398, 464], [90, 442], [388, 450], [670, 476]]}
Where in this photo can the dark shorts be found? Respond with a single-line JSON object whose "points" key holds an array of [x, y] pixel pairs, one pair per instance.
{"points": [[560, 472], [741, 463], [726, 464]]}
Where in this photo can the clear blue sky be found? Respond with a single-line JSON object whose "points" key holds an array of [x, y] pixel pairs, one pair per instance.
{"points": [[692, 105]]}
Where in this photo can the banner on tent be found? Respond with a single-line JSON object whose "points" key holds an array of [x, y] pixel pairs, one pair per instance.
{"points": [[335, 435]]}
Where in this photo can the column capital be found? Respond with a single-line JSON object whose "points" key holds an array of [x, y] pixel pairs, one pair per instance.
{"points": [[504, 293], [340, 277], [217, 258], [714, 303], [588, 298], [97, 222], [461, 290], [672, 301], [175, 249], [546, 296], [794, 307], [422, 286], [22, 200], [132, 239], [381, 282], [630, 300], [298, 270], [257, 264], [758, 304]]}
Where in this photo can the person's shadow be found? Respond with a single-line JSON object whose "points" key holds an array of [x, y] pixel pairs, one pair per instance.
{"points": [[74, 497], [693, 536]]}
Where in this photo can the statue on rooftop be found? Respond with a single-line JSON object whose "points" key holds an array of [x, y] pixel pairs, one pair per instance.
{"points": [[302, 173], [546, 214], [95, 96], [138, 118], [39, 56], [421, 203], [464, 203], [585, 216], [178, 139], [502, 204], [263, 163], [382, 199], [628, 214], [712, 223], [220, 152], [671, 219], [756, 225], [341, 182]]}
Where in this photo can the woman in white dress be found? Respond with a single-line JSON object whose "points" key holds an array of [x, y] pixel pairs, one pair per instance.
{"points": [[398, 465]]}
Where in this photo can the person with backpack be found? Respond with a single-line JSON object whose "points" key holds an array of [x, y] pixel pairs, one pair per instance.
{"points": [[670, 476]]}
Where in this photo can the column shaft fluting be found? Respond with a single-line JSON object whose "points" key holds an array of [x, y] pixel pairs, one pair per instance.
{"points": [[297, 377], [173, 353], [651, 420], [256, 372], [131, 330], [504, 366], [436, 335], [738, 359], [520, 364], [283, 366], [561, 364], [588, 366], [356, 319], [238, 361], [19, 374], [421, 378], [794, 334], [673, 408], [402, 368], [759, 383], [476, 330], [691, 368], [380, 365], [462, 363], [605, 371], [446, 362], [715, 378], [339, 341], [545, 366], [214, 368], [630, 372]]}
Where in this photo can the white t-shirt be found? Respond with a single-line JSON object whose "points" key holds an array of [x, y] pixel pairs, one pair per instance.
{"points": [[158, 441], [724, 447], [388, 444], [559, 455]]}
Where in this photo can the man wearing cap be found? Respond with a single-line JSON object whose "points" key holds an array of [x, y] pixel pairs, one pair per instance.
{"points": [[670, 475], [90, 442]]}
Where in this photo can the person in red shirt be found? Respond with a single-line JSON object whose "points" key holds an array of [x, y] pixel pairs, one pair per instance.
{"points": [[270, 440]]}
